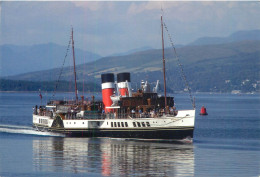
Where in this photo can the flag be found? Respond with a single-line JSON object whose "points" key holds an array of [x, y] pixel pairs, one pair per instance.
{"points": [[40, 94]]}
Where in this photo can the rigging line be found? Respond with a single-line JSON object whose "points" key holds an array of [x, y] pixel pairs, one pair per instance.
{"points": [[180, 65], [83, 76], [168, 73], [57, 82]]}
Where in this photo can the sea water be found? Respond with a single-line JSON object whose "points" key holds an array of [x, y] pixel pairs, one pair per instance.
{"points": [[226, 143]]}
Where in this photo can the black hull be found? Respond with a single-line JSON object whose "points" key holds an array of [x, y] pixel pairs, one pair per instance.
{"points": [[159, 134], [167, 133]]}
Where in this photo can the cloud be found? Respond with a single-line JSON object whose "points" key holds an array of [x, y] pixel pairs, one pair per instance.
{"points": [[113, 26], [95, 5], [137, 8], [141, 7]]}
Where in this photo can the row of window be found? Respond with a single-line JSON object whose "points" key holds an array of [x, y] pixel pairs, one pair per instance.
{"points": [[135, 124], [142, 123], [43, 121], [119, 124], [74, 122]]}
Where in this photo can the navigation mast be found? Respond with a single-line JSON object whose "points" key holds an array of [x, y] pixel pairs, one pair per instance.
{"points": [[75, 76], [164, 80]]}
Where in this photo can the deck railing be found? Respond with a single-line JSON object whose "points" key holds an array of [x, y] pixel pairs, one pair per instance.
{"points": [[95, 115]]}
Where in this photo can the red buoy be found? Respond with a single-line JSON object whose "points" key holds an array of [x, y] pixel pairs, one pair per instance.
{"points": [[203, 111]]}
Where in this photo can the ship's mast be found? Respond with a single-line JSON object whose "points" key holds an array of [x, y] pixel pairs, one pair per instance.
{"points": [[164, 80], [75, 76]]}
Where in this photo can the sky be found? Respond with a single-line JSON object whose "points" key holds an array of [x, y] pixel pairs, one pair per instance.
{"points": [[109, 27]]}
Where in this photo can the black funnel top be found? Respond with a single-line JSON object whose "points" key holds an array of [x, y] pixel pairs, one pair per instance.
{"points": [[122, 77], [108, 77]]}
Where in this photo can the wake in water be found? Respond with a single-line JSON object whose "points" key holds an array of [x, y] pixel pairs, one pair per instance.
{"points": [[25, 130]]}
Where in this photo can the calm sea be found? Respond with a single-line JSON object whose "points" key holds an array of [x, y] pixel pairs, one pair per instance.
{"points": [[226, 143]]}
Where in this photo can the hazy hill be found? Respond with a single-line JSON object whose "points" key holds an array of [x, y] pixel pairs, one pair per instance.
{"points": [[133, 51], [20, 59], [23, 59], [222, 67], [237, 36]]}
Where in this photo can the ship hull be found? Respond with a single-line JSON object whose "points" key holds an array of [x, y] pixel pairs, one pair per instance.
{"points": [[168, 128], [152, 133], [169, 134]]}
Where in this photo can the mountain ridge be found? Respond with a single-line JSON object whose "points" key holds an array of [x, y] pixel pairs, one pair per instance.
{"points": [[211, 67], [233, 63], [21, 59], [234, 37]]}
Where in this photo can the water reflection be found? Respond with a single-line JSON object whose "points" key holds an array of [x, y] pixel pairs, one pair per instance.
{"points": [[109, 157]]}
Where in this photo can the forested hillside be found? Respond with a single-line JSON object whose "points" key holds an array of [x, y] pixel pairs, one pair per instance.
{"points": [[218, 68]]}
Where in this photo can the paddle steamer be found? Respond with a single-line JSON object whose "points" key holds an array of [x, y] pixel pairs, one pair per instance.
{"points": [[121, 113]]}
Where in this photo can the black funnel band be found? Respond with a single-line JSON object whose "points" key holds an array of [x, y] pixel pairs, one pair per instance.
{"points": [[122, 77], [108, 77]]}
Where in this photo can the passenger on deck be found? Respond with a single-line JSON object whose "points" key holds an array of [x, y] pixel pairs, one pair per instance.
{"points": [[171, 110], [69, 114], [51, 114], [152, 113], [146, 114], [133, 113], [140, 113], [72, 114]]}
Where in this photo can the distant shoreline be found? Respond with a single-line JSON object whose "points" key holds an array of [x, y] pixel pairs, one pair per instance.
{"points": [[41, 91], [177, 92]]}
